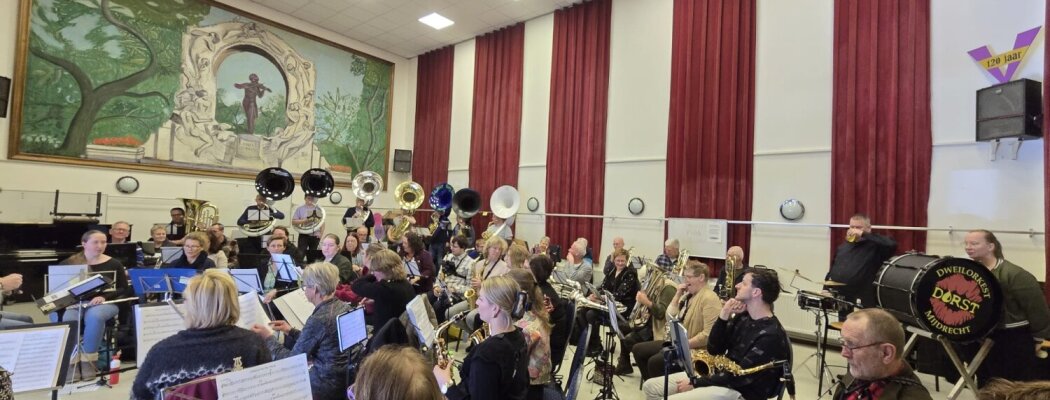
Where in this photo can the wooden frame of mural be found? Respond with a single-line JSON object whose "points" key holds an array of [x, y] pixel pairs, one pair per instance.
{"points": [[192, 87]]}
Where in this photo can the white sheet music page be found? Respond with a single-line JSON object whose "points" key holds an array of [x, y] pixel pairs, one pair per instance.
{"points": [[295, 308], [417, 313], [287, 379], [155, 323], [251, 311], [38, 358], [10, 342]]}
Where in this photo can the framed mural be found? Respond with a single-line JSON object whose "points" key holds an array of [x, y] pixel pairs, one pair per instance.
{"points": [[195, 87]]}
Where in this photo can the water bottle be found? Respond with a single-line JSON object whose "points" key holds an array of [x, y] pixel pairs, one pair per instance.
{"points": [[114, 369], [140, 256]]}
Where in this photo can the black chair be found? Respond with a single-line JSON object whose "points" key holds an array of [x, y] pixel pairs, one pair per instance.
{"points": [[572, 387], [787, 380], [561, 331], [392, 332]]}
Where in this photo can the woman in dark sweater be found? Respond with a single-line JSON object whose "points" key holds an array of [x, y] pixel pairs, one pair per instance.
{"points": [[330, 251], [387, 286], [194, 253], [209, 344], [497, 368], [319, 338], [96, 314], [418, 262]]}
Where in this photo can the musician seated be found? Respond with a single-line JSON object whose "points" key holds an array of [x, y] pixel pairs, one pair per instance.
{"points": [[695, 306], [208, 345], [457, 267], [8, 284], [393, 373], [271, 284], [419, 262], [363, 238], [230, 247], [95, 314], [623, 284], [215, 251], [176, 229], [543, 246], [159, 236], [387, 285], [617, 243], [491, 265], [536, 325], [497, 368], [577, 266], [1002, 389], [193, 255], [297, 255], [354, 252], [360, 210], [541, 267], [517, 255], [746, 332], [330, 251], [119, 232], [734, 257], [669, 258], [319, 338], [872, 341]]}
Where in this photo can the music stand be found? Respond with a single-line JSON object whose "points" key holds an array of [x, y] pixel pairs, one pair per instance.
{"points": [[608, 390], [65, 351], [677, 352], [168, 255], [286, 269], [59, 277], [165, 280], [247, 280], [351, 328]]}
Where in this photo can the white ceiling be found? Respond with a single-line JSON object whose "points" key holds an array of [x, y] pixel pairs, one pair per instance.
{"points": [[393, 25]]}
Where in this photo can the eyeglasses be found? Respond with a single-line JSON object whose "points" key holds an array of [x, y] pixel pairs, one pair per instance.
{"points": [[852, 349], [191, 246]]}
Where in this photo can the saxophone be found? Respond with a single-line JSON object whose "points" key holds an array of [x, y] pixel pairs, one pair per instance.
{"points": [[478, 335], [471, 295], [444, 357], [728, 289], [706, 364]]}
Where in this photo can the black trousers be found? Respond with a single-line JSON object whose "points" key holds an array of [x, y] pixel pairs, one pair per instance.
{"points": [[1012, 357], [308, 242], [650, 359]]}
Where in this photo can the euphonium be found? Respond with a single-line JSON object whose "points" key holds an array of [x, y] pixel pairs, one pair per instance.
{"points": [[651, 286], [728, 286], [409, 196], [706, 364], [200, 214], [679, 266]]}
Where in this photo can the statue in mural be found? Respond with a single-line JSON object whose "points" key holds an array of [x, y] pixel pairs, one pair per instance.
{"points": [[252, 90]]}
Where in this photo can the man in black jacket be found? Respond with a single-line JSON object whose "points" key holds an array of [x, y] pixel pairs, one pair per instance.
{"points": [[857, 261]]}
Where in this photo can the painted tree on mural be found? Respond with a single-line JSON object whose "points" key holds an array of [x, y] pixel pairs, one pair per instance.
{"points": [[353, 130], [105, 75]]}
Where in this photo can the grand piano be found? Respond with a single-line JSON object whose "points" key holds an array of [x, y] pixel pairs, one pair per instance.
{"points": [[29, 248]]}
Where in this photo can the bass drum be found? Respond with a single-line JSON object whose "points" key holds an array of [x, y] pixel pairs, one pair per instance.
{"points": [[954, 297]]}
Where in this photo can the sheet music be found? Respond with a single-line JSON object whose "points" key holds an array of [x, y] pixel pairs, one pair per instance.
{"points": [[353, 222], [39, 358], [351, 328], [9, 345], [258, 215], [64, 276], [282, 379], [251, 311], [417, 314], [153, 324], [247, 280], [295, 308]]}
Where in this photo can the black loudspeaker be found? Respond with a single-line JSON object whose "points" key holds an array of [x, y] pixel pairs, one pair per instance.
{"points": [[5, 95], [1010, 110], [402, 160]]}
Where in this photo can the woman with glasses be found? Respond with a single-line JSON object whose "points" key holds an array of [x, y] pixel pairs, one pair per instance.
{"points": [[319, 338], [193, 253]]}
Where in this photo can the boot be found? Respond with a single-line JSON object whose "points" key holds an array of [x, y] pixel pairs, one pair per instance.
{"points": [[623, 365]]}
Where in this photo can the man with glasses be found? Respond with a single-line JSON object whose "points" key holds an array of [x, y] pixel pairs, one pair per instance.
{"points": [[177, 227], [119, 232], [746, 332], [690, 302], [872, 340]]}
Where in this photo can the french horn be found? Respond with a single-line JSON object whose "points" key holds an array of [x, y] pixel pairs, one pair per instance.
{"points": [[409, 196], [318, 183]]}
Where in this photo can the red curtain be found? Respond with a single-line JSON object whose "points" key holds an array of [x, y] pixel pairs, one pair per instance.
{"points": [[710, 138], [576, 140], [881, 142], [1046, 153], [496, 126], [433, 120]]}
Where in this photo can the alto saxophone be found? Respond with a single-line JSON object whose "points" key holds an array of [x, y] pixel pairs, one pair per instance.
{"points": [[444, 357], [478, 335], [706, 364], [471, 295]]}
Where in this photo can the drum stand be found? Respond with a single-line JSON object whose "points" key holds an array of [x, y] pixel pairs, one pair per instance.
{"points": [[821, 333], [966, 372]]}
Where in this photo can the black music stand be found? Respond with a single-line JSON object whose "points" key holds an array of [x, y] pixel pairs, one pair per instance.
{"points": [[608, 390], [286, 269], [247, 280], [676, 353]]}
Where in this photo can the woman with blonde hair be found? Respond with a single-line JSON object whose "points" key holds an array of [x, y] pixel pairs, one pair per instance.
{"points": [[395, 373], [209, 344], [319, 338], [536, 326], [497, 368], [517, 256], [387, 285], [194, 252]]}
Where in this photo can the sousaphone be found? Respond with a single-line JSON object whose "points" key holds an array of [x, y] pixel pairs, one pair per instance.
{"points": [[504, 203], [318, 183], [274, 184]]}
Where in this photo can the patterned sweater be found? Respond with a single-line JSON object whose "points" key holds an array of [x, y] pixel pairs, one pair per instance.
{"points": [[319, 340], [195, 353]]}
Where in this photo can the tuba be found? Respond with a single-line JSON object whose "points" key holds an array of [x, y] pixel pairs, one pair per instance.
{"points": [[200, 214], [409, 196], [441, 201], [274, 184], [465, 203], [318, 183], [504, 203]]}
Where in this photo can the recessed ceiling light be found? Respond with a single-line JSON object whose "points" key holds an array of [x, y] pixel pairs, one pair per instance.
{"points": [[436, 21]]}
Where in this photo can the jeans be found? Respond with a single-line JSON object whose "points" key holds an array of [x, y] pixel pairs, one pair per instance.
{"points": [[653, 389], [10, 319], [95, 318]]}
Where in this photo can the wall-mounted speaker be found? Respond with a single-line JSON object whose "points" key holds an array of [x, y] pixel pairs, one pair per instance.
{"points": [[5, 95], [402, 160], [1010, 110]]}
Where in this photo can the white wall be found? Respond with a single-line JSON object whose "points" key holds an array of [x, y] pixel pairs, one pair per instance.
{"points": [[535, 108], [159, 191]]}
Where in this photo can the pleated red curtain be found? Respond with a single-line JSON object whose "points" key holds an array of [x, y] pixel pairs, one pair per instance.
{"points": [[710, 138], [496, 125], [881, 143], [433, 120], [576, 138]]}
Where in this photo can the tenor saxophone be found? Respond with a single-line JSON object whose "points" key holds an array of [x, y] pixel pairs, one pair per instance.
{"points": [[706, 364]]}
